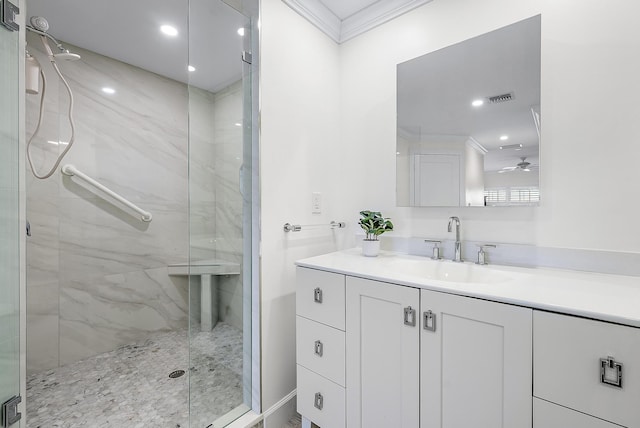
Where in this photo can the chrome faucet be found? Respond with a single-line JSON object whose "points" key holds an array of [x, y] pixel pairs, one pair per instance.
{"points": [[458, 249]]}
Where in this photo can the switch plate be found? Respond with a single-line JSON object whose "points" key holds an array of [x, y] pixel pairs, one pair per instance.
{"points": [[316, 203]]}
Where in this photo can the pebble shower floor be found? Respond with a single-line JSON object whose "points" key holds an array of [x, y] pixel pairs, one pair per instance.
{"points": [[131, 387]]}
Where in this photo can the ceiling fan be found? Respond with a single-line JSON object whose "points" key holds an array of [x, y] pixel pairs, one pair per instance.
{"points": [[523, 165]]}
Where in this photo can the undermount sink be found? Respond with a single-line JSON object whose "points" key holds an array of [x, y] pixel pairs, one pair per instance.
{"points": [[448, 271]]}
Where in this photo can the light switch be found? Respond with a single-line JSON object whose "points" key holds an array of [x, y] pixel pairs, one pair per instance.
{"points": [[316, 203]]}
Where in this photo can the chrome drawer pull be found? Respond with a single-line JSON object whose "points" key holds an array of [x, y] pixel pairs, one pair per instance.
{"points": [[429, 321], [409, 316], [317, 295], [610, 372], [318, 401], [318, 348]]}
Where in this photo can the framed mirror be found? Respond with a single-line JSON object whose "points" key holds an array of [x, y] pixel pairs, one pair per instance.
{"points": [[468, 125]]}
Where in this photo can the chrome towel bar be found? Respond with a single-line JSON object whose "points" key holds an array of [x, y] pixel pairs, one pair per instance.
{"points": [[288, 227]]}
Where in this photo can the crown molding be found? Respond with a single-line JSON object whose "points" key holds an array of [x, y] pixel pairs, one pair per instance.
{"points": [[376, 14], [472, 142], [319, 15], [364, 20]]}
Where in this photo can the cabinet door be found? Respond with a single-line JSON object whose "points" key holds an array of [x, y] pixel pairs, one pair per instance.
{"points": [[568, 358], [382, 355], [549, 415], [475, 363]]}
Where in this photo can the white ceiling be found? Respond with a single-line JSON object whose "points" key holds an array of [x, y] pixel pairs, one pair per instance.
{"points": [[129, 31], [343, 20]]}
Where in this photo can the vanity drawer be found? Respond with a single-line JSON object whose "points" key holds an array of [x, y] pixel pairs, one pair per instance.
{"points": [[320, 400], [549, 415], [320, 348], [567, 354], [320, 296]]}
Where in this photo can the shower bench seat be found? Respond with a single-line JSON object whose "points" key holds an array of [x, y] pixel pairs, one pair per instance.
{"points": [[209, 271]]}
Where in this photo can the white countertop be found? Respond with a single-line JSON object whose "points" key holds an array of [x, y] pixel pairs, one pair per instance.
{"points": [[614, 298]]}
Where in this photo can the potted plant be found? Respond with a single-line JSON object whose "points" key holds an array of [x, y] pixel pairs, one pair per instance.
{"points": [[374, 225]]}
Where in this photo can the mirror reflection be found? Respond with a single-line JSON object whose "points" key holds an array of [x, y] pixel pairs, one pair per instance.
{"points": [[468, 125]]}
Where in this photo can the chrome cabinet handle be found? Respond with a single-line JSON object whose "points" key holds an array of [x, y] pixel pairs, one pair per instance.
{"points": [[409, 316], [318, 401], [317, 295], [319, 348], [429, 321], [610, 372]]}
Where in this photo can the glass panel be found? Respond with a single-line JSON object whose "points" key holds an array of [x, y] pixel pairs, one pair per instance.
{"points": [[220, 201], [107, 304], [110, 298], [9, 219]]}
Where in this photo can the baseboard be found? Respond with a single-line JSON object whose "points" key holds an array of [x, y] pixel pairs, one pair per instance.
{"points": [[278, 411]]}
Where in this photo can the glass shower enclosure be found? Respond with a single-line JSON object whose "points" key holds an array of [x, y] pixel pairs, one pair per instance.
{"points": [[221, 205], [133, 322], [9, 226]]}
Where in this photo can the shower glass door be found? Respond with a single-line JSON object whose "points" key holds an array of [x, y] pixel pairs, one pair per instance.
{"points": [[221, 165], [9, 218]]}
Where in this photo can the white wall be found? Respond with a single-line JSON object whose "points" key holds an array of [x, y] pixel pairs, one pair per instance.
{"points": [[589, 119], [473, 176], [511, 179], [328, 124], [301, 153]]}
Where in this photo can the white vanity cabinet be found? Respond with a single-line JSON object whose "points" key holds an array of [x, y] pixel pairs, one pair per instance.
{"points": [[382, 355], [465, 363], [475, 363], [591, 367], [403, 351], [320, 347]]}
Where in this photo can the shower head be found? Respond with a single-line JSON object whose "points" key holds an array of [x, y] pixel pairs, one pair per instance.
{"points": [[39, 23], [67, 56]]}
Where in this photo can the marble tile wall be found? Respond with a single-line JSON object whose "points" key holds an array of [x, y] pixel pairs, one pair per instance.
{"points": [[96, 274], [216, 204], [227, 120]]}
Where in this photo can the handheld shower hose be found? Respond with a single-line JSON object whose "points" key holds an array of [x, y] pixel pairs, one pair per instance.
{"points": [[41, 112]]}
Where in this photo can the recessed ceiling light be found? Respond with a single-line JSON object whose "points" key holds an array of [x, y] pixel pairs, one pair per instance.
{"points": [[477, 103], [504, 137], [241, 31], [169, 30], [108, 90], [191, 68], [238, 124]]}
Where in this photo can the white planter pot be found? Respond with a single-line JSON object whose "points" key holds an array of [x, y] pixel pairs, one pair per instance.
{"points": [[370, 248]]}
